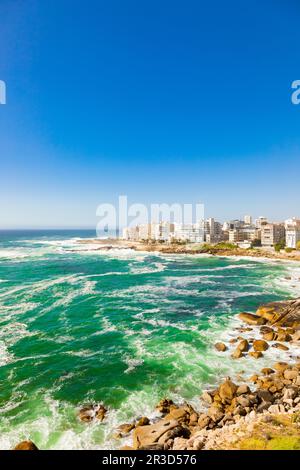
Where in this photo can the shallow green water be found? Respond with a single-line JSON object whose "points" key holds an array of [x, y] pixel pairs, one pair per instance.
{"points": [[122, 328]]}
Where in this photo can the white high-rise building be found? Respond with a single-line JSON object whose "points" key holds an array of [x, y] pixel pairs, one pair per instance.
{"points": [[193, 233], [292, 232], [261, 221], [247, 220]]}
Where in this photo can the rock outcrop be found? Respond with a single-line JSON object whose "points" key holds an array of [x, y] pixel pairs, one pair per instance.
{"points": [[285, 313]]}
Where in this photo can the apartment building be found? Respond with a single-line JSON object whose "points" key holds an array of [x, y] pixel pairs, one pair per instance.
{"points": [[272, 234], [193, 233], [292, 232], [131, 233], [247, 220], [162, 231], [212, 231]]}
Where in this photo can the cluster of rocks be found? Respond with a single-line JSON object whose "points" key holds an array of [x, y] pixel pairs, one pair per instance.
{"points": [[255, 347], [277, 389], [181, 427], [279, 323]]}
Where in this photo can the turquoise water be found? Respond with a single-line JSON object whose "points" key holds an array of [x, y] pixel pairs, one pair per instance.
{"points": [[124, 328]]}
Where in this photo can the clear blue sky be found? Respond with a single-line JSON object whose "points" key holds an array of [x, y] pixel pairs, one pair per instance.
{"points": [[165, 101]]}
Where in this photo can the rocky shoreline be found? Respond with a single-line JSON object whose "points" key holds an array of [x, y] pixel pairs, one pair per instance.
{"points": [[262, 412], [189, 249]]}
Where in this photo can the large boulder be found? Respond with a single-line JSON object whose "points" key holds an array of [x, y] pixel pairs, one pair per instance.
{"points": [[260, 345], [252, 319], [285, 313], [157, 434], [227, 391]]}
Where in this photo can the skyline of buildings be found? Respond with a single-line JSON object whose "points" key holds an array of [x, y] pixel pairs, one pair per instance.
{"points": [[243, 233]]}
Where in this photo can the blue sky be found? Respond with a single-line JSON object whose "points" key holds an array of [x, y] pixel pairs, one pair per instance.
{"points": [[164, 101]]}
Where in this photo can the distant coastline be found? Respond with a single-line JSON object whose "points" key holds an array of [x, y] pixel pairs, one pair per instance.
{"points": [[221, 249]]}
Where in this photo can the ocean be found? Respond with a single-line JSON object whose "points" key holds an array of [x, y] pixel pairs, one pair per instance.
{"points": [[122, 328]]}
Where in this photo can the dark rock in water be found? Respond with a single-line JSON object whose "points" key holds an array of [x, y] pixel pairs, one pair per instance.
{"points": [[260, 345], [243, 345], [237, 354], [221, 347], [26, 445], [90, 412], [256, 354]]}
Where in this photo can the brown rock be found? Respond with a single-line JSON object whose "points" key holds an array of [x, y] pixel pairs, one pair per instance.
{"points": [[237, 354], [203, 421], [242, 390], [243, 345], [265, 329], [251, 319], [215, 413], [178, 414], [256, 354], [283, 336], [101, 412], [267, 371], [280, 366], [144, 421], [227, 391], [193, 419], [221, 347], [126, 428], [164, 405], [150, 435], [260, 345], [207, 397], [90, 412], [296, 336], [280, 346], [26, 445], [270, 336], [253, 378], [290, 374], [285, 313]]}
